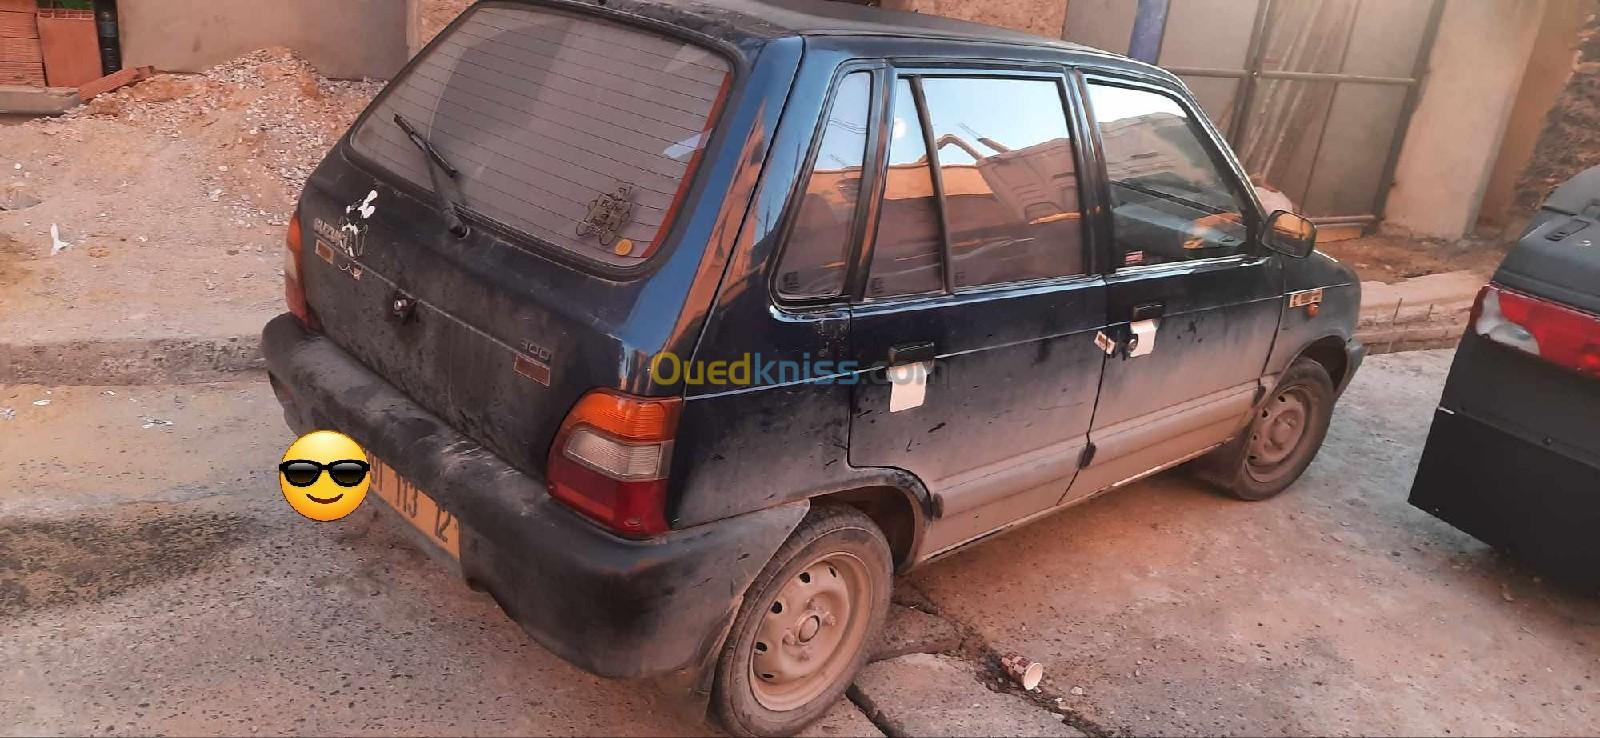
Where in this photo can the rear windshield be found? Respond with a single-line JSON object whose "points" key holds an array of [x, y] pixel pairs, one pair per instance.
{"points": [[574, 130]]}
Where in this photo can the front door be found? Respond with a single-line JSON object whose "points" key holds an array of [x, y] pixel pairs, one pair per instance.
{"points": [[1193, 305], [976, 308]]}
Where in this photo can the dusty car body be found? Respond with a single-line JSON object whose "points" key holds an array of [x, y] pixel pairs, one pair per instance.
{"points": [[915, 322], [1513, 456]]}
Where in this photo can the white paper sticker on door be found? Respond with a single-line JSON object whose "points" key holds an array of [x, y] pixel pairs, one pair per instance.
{"points": [[1144, 337], [908, 385]]}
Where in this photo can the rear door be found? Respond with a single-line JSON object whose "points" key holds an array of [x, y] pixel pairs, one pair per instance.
{"points": [[1192, 303], [575, 136], [977, 305]]}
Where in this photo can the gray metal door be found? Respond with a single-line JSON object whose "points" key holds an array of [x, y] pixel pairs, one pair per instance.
{"points": [[1314, 95]]}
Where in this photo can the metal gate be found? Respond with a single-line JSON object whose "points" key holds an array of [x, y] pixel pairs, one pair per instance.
{"points": [[1314, 95]]}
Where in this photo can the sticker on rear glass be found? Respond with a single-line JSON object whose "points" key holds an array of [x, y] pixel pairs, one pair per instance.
{"points": [[608, 213], [1133, 258]]}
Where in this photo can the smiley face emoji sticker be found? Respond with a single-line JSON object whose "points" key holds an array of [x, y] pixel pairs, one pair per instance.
{"points": [[324, 475]]}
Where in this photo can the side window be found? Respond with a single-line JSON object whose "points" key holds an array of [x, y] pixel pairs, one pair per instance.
{"points": [[906, 259], [1010, 178], [1169, 200], [818, 247]]}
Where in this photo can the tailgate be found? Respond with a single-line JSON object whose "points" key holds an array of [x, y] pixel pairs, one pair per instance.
{"points": [[575, 137]]}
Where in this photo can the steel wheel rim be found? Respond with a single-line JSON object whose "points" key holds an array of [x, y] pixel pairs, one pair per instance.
{"points": [[1279, 431], [810, 632]]}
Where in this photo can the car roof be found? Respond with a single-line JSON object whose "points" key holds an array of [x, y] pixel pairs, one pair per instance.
{"points": [[736, 20], [747, 24], [829, 17]]}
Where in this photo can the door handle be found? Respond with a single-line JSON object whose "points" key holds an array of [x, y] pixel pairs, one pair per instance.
{"points": [[912, 353], [1147, 311]]}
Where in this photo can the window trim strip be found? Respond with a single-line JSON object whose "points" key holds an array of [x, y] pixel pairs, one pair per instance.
{"points": [[874, 181], [796, 195], [937, 175]]}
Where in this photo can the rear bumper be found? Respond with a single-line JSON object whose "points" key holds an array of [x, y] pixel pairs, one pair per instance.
{"points": [[614, 607], [1513, 493]]}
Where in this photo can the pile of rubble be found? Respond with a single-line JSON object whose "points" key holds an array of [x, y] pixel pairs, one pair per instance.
{"points": [[266, 115], [159, 208]]}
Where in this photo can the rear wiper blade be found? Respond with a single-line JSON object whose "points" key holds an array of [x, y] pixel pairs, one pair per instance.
{"points": [[445, 176], [423, 143]]}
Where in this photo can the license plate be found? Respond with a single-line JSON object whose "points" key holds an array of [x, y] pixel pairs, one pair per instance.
{"points": [[416, 508]]}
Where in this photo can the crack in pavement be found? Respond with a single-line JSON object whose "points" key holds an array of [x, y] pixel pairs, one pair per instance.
{"points": [[977, 652]]}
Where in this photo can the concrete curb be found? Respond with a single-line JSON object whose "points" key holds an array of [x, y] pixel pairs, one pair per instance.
{"points": [[1420, 338], [132, 361], [23, 100], [1426, 312]]}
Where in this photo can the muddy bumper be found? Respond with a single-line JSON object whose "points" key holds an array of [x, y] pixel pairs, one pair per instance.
{"points": [[1514, 493], [614, 607]]}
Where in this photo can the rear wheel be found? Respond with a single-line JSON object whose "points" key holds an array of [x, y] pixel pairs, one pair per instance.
{"points": [[805, 626], [1282, 439]]}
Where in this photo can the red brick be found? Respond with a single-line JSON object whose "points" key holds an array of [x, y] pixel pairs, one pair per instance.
{"points": [[18, 25], [112, 81]]}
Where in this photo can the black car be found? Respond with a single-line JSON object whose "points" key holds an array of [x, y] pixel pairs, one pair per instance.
{"points": [[683, 327], [1514, 453]]}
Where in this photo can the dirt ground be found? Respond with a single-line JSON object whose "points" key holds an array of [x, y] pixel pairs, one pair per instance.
{"points": [[1387, 257], [153, 581], [169, 199], [1335, 609]]}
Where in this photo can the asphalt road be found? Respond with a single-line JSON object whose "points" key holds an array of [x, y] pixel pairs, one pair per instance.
{"points": [[153, 581]]}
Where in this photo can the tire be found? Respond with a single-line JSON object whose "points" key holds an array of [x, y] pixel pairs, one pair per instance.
{"points": [[1283, 437], [824, 596]]}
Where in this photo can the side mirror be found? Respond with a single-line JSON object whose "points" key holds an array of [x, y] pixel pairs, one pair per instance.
{"points": [[1290, 234]]}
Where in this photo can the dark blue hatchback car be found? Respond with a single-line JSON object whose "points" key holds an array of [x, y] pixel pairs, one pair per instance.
{"points": [[682, 327]]}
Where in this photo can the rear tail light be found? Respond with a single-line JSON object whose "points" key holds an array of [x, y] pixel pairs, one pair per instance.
{"points": [[1551, 331], [611, 458], [294, 291]]}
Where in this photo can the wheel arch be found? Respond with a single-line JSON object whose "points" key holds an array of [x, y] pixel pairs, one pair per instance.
{"points": [[1329, 351], [896, 501]]}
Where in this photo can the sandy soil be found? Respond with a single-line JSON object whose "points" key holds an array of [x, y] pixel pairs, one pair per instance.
{"points": [[1335, 609], [180, 595], [1387, 258], [171, 196], [153, 581]]}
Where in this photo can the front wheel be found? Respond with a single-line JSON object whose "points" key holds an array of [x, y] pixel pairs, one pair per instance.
{"points": [[805, 627], [1281, 440]]}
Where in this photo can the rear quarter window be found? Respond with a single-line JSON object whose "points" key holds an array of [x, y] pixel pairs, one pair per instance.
{"points": [[545, 114]]}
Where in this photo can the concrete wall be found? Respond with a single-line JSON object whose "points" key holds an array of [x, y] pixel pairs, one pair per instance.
{"points": [[1043, 17], [343, 38], [426, 18], [1103, 24], [1570, 140], [1451, 145], [1555, 51]]}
